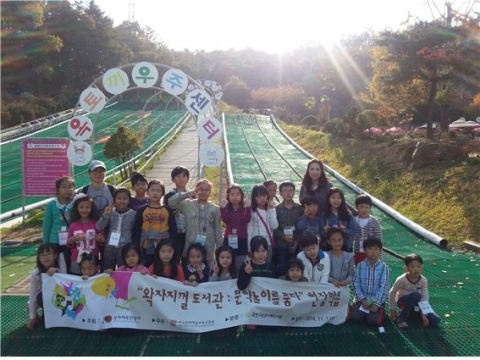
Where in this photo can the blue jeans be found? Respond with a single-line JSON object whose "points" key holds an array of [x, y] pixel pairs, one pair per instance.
{"points": [[372, 318], [407, 305], [281, 257]]}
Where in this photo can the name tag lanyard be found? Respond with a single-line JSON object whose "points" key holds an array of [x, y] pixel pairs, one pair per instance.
{"points": [[63, 234], [289, 224], [201, 237], [115, 235], [234, 222], [62, 211], [267, 228], [233, 237], [363, 235]]}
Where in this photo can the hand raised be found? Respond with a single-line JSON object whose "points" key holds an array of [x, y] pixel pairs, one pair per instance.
{"points": [[52, 271], [108, 210], [99, 238], [248, 267], [198, 269]]}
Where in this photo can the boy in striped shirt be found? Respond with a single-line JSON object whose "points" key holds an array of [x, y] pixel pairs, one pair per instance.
{"points": [[366, 226]]}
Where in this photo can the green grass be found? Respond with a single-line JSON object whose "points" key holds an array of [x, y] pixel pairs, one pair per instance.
{"points": [[16, 264], [213, 174], [442, 198]]}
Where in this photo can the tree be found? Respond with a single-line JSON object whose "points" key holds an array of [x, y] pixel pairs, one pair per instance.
{"points": [[139, 43], [26, 48], [337, 127], [236, 92], [426, 55], [366, 120], [26, 61], [290, 99], [122, 147]]}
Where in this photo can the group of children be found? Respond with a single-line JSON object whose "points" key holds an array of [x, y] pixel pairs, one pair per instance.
{"points": [[178, 235]]}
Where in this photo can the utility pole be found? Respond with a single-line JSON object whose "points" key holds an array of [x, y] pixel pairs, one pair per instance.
{"points": [[131, 10]]}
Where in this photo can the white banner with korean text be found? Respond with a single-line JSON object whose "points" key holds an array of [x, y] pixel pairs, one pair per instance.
{"points": [[133, 300]]}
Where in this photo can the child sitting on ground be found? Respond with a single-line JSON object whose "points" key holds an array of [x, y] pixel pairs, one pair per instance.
{"points": [[48, 262], [131, 255], [166, 261], [370, 283], [258, 266], [315, 260], [295, 269], [224, 267], [341, 261], [408, 291], [89, 265], [195, 269]]}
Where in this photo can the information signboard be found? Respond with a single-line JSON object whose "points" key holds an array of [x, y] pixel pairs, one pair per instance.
{"points": [[44, 160]]}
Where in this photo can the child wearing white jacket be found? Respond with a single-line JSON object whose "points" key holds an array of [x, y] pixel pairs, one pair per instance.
{"points": [[315, 260]]}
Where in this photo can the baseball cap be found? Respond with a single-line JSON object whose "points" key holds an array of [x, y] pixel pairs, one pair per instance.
{"points": [[96, 164]]}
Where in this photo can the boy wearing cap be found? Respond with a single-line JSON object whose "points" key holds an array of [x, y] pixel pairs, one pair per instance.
{"points": [[101, 193], [98, 190]]}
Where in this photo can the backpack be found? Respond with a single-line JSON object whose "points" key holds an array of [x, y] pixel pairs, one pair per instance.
{"points": [[110, 187]]}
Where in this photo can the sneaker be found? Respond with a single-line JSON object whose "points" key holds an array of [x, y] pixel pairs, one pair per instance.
{"points": [[402, 324]]}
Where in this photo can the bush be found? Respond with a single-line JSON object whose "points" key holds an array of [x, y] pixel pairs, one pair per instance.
{"points": [[472, 148], [337, 127]]}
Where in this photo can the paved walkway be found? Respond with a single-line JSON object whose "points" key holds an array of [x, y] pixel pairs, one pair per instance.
{"points": [[183, 151]]}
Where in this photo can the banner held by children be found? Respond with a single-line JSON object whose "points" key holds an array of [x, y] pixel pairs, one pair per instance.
{"points": [[133, 300]]}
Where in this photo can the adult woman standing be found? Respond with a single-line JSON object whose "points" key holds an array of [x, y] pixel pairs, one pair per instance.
{"points": [[315, 184]]}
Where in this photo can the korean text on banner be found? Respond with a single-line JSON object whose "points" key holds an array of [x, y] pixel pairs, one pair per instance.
{"points": [[133, 300]]}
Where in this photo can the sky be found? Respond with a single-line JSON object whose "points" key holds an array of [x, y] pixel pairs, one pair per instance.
{"points": [[273, 26]]}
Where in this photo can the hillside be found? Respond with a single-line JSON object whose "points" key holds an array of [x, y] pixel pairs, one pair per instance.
{"points": [[442, 197]]}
